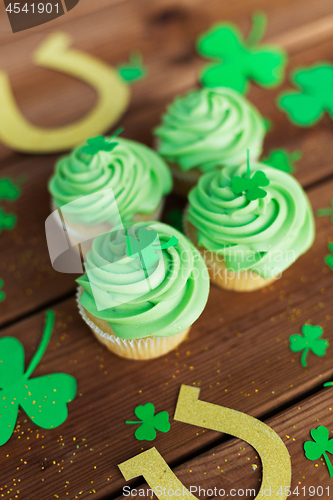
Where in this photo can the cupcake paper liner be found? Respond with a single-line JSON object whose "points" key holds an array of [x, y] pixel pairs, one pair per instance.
{"points": [[139, 349], [243, 281]]}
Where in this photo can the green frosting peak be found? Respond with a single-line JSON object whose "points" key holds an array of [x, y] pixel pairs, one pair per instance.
{"points": [[178, 282], [265, 235], [210, 128], [138, 176]]}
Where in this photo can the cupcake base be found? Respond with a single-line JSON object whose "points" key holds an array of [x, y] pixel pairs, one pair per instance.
{"points": [[140, 349], [184, 181], [240, 281]]}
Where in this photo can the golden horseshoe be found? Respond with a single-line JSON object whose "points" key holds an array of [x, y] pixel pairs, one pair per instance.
{"points": [[113, 97], [276, 465]]}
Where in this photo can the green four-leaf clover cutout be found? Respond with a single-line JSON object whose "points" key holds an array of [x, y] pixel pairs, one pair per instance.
{"points": [[150, 422], [320, 445], [314, 96], [308, 341], [237, 61]]}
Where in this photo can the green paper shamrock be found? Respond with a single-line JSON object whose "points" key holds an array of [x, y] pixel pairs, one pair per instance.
{"points": [[250, 186], [238, 61], [282, 160], [323, 212], [143, 246], [268, 124], [308, 342], [149, 422], [100, 143], [329, 258], [306, 106], [44, 399], [8, 190], [7, 221], [2, 294], [133, 71], [319, 446]]}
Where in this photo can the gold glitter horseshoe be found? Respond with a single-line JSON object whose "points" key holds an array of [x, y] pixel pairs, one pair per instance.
{"points": [[276, 465], [113, 97]]}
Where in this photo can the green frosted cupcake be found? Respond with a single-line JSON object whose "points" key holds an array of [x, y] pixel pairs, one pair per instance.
{"points": [[143, 313], [247, 244], [207, 129], [137, 175]]}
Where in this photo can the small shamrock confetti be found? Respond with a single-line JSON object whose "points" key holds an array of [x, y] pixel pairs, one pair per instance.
{"points": [[100, 143], [7, 221], [329, 258], [237, 61], [308, 341], [319, 446], [306, 106], [268, 124], [44, 399], [149, 422], [143, 246], [250, 187], [133, 71], [323, 212], [282, 160], [2, 294], [8, 190]]}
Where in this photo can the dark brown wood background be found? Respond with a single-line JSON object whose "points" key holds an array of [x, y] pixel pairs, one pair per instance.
{"points": [[238, 351]]}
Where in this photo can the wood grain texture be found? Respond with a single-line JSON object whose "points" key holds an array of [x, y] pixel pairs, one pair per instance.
{"points": [[237, 353], [234, 465], [165, 35], [30, 287], [238, 350], [25, 267]]}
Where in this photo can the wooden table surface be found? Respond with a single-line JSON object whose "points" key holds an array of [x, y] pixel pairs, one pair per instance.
{"points": [[238, 351]]}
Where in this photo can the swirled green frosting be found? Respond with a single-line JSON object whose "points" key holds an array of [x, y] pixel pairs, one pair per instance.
{"points": [[210, 128], [265, 235], [179, 285], [138, 177]]}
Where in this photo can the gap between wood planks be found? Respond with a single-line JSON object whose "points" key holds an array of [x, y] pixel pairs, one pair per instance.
{"points": [[305, 36]]}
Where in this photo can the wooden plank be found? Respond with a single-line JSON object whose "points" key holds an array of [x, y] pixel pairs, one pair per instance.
{"points": [[84, 8], [234, 465], [160, 13], [24, 261], [27, 285], [25, 267], [236, 349]]}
